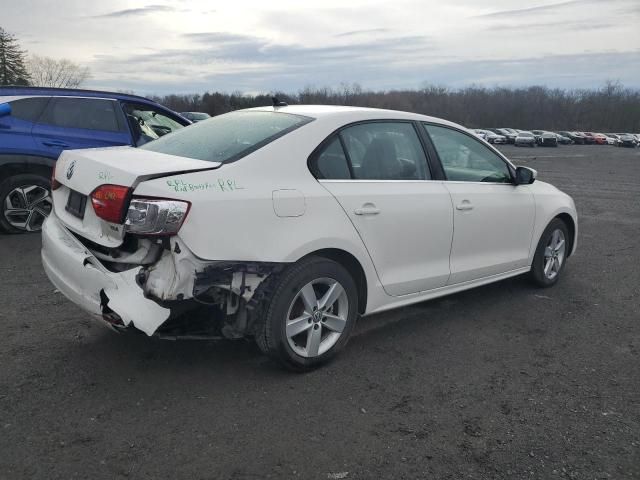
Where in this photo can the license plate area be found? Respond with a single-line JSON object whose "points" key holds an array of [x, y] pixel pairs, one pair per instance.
{"points": [[76, 204]]}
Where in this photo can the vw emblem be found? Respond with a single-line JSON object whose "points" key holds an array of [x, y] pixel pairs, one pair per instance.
{"points": [[72, 165]]}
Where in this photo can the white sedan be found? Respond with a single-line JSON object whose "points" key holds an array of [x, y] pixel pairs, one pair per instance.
{"points": [[290, 222]]}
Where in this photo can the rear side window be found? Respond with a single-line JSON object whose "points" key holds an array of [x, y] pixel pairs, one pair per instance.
{"points": [[87, 113], [28, 109], [331, 162], [228, 137]]}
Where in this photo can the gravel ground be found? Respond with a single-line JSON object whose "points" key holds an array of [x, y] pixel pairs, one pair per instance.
{"points": [[505, 381]]}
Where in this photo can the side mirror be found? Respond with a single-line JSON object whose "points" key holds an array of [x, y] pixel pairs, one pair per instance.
{"points": [[5, 109], [525, 175]]}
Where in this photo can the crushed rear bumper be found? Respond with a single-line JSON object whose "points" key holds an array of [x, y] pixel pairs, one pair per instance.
{"points": [[111, 296]]}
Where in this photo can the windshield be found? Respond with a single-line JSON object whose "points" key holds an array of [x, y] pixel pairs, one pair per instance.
{"points": [[526, 134], [148, 124], [228, 137]]}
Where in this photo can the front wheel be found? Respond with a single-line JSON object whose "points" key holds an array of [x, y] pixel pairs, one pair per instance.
{"points": [[310, 314], [25, 202], [551, 254]]}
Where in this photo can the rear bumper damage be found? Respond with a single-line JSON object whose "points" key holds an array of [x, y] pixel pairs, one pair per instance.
{"points": [[154, 285]]}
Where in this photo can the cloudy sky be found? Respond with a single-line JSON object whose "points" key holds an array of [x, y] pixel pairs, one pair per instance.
{"points": [[183, 46]]}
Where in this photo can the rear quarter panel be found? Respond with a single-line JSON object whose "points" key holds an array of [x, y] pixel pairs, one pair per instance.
{"points": [[232, 214]]}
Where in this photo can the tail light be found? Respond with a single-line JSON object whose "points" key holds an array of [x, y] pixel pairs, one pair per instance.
{"points": [[154, 216], [55, 184], [110, 202]]}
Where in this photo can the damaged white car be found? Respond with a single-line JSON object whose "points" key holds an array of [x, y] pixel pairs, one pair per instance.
{"points": [[290, 222]]}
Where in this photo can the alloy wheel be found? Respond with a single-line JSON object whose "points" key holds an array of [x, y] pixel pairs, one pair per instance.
{"points": [[317, 317], [554, 254], [26, 207]]}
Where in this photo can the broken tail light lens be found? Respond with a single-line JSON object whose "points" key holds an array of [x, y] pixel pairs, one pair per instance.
{"points": [[152, 216], [110, 202]]}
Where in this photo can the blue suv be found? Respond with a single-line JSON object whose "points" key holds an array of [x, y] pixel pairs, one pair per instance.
{"points": [[36, 124]]}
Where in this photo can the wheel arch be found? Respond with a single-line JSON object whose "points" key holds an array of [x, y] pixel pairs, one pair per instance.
{"points": [[353, 266], [11, 165], [569, 221]]}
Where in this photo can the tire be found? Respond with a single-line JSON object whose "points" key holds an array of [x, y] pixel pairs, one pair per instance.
{"points": [[275, 332], [30, 196], [541, 273]]}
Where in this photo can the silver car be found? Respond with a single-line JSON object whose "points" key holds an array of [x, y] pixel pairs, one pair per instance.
{"points": [[525, 139]]}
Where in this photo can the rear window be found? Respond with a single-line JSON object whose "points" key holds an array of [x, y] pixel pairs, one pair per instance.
{"points": [[228, 137], [29, 108]]}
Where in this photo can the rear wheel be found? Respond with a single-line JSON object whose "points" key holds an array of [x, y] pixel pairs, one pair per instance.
{"points": [[310, 315], [551, 254], [25, 201]]}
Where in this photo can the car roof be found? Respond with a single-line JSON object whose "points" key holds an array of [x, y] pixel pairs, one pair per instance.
{"points": [[352, 114], [69, 92]]}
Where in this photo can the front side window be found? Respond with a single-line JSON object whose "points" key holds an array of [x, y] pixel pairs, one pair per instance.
{"points": [[87, 113], [147, 123], [465, 159], [385, 151], [228, 137]]}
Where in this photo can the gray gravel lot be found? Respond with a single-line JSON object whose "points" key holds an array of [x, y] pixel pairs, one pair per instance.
{"points": [[505, 381]]}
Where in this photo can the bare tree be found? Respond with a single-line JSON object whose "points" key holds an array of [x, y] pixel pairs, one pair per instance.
{"points": [[63, 73]]}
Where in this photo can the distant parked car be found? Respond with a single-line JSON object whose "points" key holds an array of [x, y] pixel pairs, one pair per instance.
{"points": [[601, 139], [563, 140], [576, 137], [37, 124], [610, 139], [615, 137], [491, 137], [627, 140], [538, 134], [195, 116], [590, 139], [507, 133], [547, 139], [525, 139], [480, 133]]}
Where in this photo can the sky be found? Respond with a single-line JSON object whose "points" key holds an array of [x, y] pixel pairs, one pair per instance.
{"points": [[192, 46]]}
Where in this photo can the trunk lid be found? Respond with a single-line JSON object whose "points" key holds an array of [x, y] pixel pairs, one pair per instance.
{"points": [[82, 171]]}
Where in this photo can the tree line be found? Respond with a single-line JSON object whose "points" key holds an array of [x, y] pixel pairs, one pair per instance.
{"points": [[611, 108]]}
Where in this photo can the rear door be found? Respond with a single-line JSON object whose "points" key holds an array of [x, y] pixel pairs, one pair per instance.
{"points": [[379, 174], [493, 217], [77, 122]]}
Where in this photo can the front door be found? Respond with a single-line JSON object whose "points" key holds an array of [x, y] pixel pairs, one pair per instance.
{"points": [[493, 217]]}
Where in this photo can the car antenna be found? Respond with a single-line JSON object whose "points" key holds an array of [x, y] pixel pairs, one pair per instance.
{"points": [[278, 103]]}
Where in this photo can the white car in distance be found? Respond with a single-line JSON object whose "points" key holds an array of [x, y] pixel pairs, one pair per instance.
{"points": [[290, 222]]}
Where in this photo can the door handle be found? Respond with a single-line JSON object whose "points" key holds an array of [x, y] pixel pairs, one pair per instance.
{"points": [[367, 209], [55, 143], [464, 206]]}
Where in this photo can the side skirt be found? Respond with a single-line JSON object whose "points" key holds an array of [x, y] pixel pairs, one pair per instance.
{"points": [[446, 290]]}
